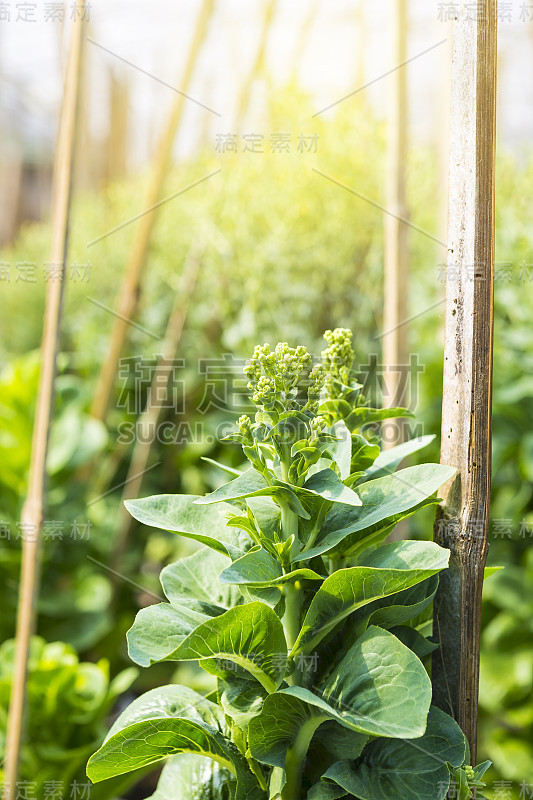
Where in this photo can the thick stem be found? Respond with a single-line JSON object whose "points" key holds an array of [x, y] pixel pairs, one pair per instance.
{"points": [[293, 612], [295, 759], [292, 592]]}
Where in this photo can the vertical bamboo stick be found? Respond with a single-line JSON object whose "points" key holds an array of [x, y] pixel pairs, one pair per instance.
{"points": [[303, 37], [258, 65], [396, 252], [117, 139], [129, 291], [361, 41], [462, 520], [149, 418], [32, 511]]}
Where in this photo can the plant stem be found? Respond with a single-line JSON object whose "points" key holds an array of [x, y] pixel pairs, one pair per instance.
{"points": [[295, 759], [292, 592], [293, 610]]}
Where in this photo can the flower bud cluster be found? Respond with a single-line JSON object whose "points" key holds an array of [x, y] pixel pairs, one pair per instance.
{"points": [[338, 358], [274, 376]]}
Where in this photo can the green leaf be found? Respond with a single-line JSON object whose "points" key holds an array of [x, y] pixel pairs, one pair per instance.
{"points": [[249, 636], [196, 594], [252, 484], [195, 582], [396, 770], [341, 450], [189, 776], [363, 453], [266, 514], [326, 791], [329, 486], [159, 630], [398, 608], [338, 741], [224, 467], [259, 569], [180, 514], [414, 640], [288, 721], [382, 499], [390, 569], [380, 687], [388, 460], [366, 416], [491, 571], [165, 722], [241, 699]]}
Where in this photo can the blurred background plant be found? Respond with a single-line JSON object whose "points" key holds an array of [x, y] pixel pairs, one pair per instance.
{"points": [[285, 254]]}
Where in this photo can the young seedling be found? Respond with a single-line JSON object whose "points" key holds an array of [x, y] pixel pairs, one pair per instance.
{"points": [[311, 623]]}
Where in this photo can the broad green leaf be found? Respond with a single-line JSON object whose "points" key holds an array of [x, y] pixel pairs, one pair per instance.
{"points": [[380, 687], [388, 460], [395, 770], [249, 636], [159, 630], [288, 721], [241, 699], [252, 484], [165, 722], [381, 499], [196, 595], [390, 569], [266, 514], [398, 608], [189, 776], [256, 567], [259, 569], [270, 597], [324, 484], [339, 742], [195, 582], [180, 514]]}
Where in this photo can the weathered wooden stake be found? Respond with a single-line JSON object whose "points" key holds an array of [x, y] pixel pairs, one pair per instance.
{"points": [[396, 247], [462, 520], [32, 512], [130, 289]]}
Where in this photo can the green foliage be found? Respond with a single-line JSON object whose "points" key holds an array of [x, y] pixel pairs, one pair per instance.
{"points": [[314, 694], [68, 703]]}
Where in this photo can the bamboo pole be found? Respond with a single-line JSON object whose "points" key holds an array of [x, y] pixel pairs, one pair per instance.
{"points": [[117, 139], [396, 243], [361, 41], [149, 418], [303, 38], [32, 511], [258, 65], [130, 289], [462, 520]]}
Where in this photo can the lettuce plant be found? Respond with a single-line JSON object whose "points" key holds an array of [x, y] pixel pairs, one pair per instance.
{"points": [[313, 626], [68, 703]]}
